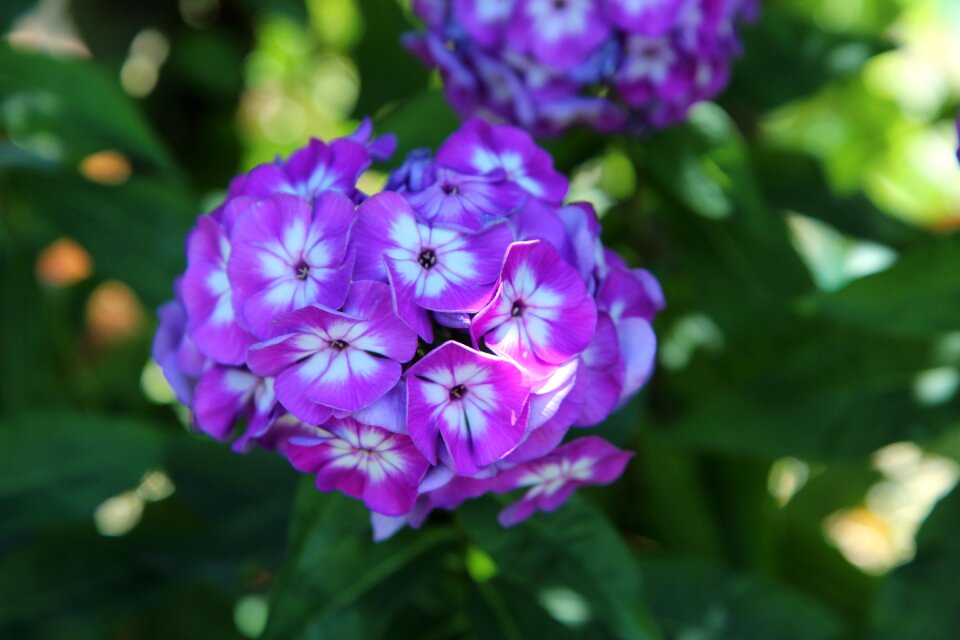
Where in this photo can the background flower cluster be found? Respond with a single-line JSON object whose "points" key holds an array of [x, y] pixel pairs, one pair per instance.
{"points": [[610, 64], [420, 346]]}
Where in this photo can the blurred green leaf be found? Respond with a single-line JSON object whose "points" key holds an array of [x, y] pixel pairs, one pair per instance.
{"points": [[385, 77], [58, 467], [824, 393], [788, 56], [152, 215], [10, 10], [694, 599], [74, 107], [917, 297], [920, 599], [424, 121], [575, 548], [734, 250], [339, 583]]}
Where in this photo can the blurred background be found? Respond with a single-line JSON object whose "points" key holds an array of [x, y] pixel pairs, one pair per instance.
{"points": [[797, 449]]}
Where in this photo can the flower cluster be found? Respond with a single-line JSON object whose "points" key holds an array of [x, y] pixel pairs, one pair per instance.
{"points": [[609, 64], [416, 347]]}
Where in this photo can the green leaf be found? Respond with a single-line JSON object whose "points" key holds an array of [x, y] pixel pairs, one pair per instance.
{"points": [[153, 214], [74, 107], [10, 10], [424, 121], [730, 244], [339, 583], [920, 599], [59, 467], [574, 548], [917, 297], [695, 599], [794, 58], [819, 392], [385, 77]]}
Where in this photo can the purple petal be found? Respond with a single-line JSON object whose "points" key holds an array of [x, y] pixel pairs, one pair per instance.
{"points": [[481, 148], [602, 373], [638, 344], [384, 220], [648, 17], [381, 468], [222, 394], [207, 296], [558, 34]]}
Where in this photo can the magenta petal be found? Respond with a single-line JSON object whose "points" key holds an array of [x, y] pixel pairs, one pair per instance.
{"points": [[207, 296], [222, 394], [602, 373], [384, 220], [472, 401], [417, 318], [554, 477], [516, 513], [651, 17]]}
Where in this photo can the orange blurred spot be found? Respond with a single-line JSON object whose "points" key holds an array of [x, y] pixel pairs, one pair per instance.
{"points": [[63, 263], [106, 167], [113, 313]]}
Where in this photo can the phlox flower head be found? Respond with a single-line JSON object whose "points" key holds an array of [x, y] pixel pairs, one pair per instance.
{"points": [[418, 347], [608, 64]]}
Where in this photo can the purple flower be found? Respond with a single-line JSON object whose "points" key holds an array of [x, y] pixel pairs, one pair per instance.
{"points": [[466, 201], [560, 34], [611, 65], [436, 268], [344, 360], [471, 401], [483, 149], [379, 467], [646, 17], [309, 172], [289, 254], [541, 315], [552, 478]]}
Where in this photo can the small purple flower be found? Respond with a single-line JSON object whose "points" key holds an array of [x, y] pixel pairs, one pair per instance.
{"points": [[541, 315], [345, 360], [379, 467], [548, 65], [428, 267], [484, 20], [288, 254], [553, 478], [466, 201], [316, 169], [647, 17], [480, 148], [561, 34], [471, 401]]}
